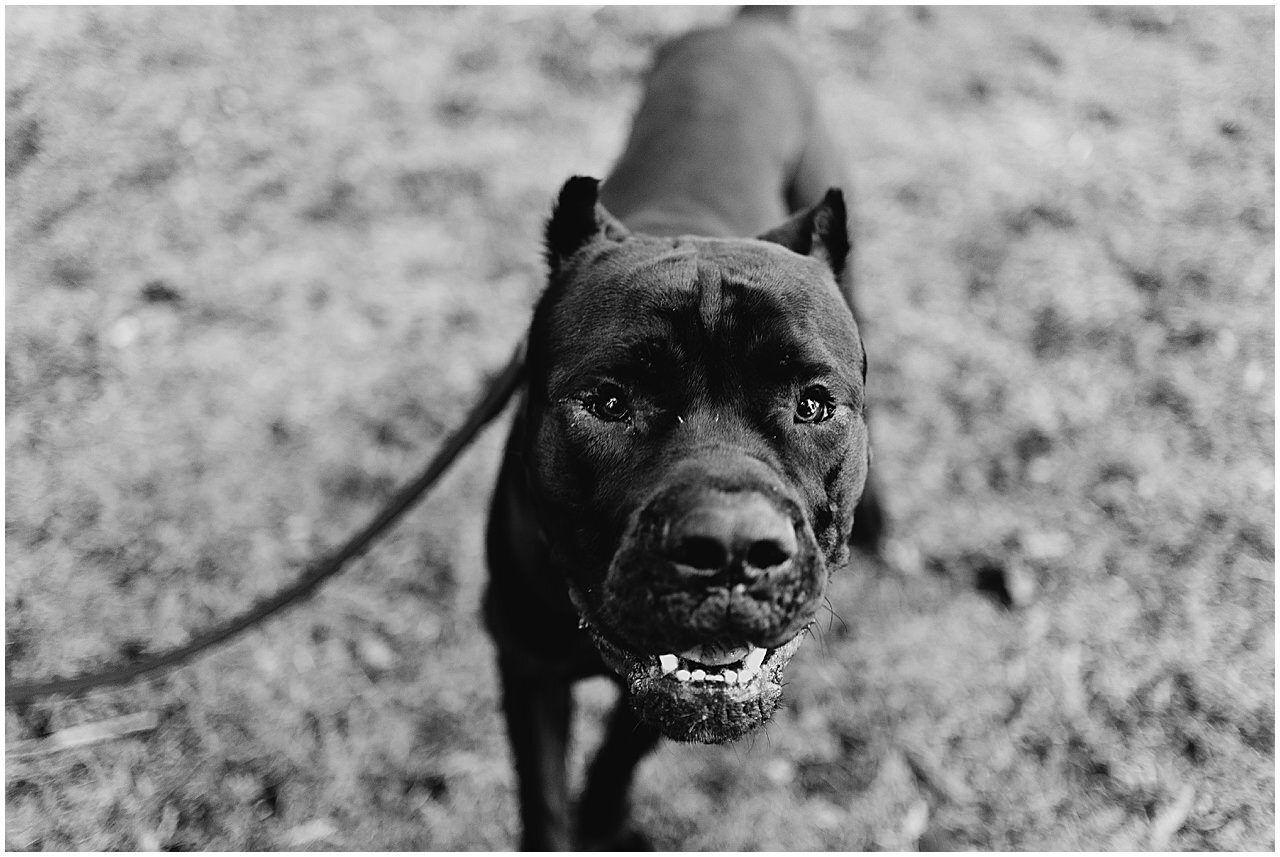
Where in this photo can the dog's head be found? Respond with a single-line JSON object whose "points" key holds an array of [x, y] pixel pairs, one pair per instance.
{"points": [[695, 447]]}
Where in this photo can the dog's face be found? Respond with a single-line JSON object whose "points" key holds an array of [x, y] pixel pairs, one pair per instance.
{"points": [[695, 447]]}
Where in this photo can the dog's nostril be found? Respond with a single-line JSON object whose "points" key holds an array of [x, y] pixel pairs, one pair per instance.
{"points": [[701, 552], [766, 554]]}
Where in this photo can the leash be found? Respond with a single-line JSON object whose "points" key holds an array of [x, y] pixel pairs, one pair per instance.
{"points": [[499, 392]]}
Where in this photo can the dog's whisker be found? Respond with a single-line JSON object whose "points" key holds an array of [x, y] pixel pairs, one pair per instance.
{"points": [[844, 626]]}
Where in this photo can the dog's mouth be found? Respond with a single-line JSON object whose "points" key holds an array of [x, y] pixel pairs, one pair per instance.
{"points": [[704, 694]]}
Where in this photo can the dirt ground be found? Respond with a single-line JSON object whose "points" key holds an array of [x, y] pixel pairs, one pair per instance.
{"points": [[260, 260]]}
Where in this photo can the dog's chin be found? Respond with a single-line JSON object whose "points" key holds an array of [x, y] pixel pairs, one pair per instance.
{"points": [[701, 696]]}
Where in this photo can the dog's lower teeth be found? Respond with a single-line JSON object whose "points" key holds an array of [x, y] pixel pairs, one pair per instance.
{"points": [[681, 668]]}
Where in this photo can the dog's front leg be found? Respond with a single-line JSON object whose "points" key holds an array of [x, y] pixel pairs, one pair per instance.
{"points": [[603, 812], [538, 710]]}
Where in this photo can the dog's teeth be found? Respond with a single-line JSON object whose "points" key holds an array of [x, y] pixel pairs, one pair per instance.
{"points": [[730, 676], [683, 675], [698, 675], [668, 663], [714, 677], [753, 660]]}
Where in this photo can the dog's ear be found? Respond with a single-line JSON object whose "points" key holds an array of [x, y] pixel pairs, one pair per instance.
{"points": [[577, 220], [821, 231]]}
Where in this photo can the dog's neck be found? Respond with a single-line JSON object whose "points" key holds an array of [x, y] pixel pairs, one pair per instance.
{"points": [[673, 217]]}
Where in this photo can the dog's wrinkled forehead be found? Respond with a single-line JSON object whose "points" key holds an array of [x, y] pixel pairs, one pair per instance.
{"points": [[738, 292]]}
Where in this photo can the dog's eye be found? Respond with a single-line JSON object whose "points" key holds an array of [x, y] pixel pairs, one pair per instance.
{"points": [[608, 403], [814, 406]]}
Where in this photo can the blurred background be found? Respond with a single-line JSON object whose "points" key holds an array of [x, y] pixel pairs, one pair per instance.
{"points": [[260, 260]]}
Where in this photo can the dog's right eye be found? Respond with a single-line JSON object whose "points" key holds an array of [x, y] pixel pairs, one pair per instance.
{"points": [[815, 406], [608, 403]]}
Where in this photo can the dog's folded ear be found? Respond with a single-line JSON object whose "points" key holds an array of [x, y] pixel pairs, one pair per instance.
{"points": [[577, 220], [820, 231]]}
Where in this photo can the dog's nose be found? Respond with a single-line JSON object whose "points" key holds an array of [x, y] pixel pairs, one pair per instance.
{"points": [[741, 532]]}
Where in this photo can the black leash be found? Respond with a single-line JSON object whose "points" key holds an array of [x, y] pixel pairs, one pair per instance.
{"points": [[495, 399]]}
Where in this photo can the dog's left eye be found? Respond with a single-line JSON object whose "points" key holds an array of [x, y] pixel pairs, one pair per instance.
{"points": [[608, 403], [814, 406]]}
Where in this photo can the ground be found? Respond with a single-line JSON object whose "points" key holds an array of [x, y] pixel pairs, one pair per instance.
{"points": [[260, 260]]}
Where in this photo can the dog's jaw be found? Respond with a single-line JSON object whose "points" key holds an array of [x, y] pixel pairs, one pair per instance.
{"points": [[692, 701]]}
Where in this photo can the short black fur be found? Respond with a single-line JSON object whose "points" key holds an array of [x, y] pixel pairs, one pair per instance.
{"points": [[657, 296]]}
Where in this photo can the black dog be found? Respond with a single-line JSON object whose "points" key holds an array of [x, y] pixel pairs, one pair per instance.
{"points": [[683, 471]]}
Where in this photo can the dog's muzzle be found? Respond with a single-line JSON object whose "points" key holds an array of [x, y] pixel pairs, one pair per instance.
{"points": [[704, 605]]}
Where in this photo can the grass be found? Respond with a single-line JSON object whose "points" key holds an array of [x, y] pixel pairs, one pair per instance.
{"points": [[260, 260]]}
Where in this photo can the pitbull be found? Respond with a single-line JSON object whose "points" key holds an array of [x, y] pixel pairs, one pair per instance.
{"points": [[686, 459]]}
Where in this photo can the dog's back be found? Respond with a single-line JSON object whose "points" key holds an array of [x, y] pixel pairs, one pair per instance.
{"points": [[728, 117]]}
